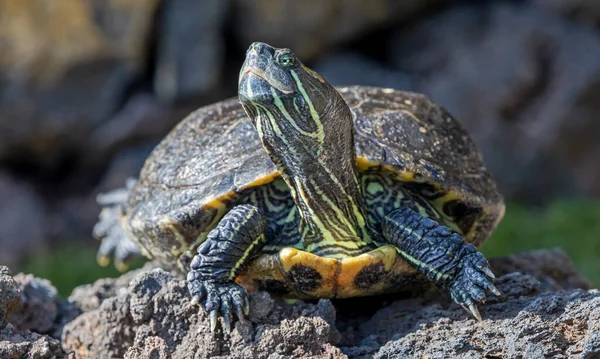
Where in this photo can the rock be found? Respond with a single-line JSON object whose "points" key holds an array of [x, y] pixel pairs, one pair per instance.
{"points": [[546, 325], [64, 70], [346, 69], [524, 82], [311, 28], [30, 345], [157, 305], [22, 222], [190, 48], [148, 314], [39, 307], [10, 295], [552, 267], [586, 11], [29, 303]]}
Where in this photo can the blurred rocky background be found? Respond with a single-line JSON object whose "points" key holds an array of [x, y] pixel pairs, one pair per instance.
{"points": [[87, 88]]}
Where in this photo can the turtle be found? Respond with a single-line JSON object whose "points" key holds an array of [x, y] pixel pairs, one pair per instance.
{"points": [[309, 191]]}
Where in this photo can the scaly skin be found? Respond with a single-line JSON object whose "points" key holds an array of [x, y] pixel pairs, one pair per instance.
{"points": [[238, 237], [442, 256]]}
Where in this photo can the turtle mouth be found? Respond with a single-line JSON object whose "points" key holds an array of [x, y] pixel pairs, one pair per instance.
{"points": [[265, 78]]}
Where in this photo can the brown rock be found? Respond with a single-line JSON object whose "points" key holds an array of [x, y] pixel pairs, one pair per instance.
{"points": [[63, 68], [152, 317]]}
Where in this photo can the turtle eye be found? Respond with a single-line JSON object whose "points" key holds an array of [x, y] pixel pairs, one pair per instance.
{"points": [[286, 60]]}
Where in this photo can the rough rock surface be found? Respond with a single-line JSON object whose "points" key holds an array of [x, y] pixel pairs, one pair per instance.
{"points": [[28, 302], [29, 345], [546, 309], [10, 295]]}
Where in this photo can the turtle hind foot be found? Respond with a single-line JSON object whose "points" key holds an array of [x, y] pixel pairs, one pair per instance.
{"points": [[219, 299], [115, 241], [472, 282]]}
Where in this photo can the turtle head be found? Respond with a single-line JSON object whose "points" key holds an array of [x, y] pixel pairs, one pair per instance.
{"points": [[308, 131], [289, 103]]}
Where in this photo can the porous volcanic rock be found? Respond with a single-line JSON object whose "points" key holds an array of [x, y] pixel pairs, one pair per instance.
{"points": [[546, 309], [27, 302]]}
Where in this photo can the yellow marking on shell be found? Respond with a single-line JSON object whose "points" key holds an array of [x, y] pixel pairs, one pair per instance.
{"points": [[262, 268], [326, 267], [351, 267], [388, 90], [413, 116], [407, 102], [269, 177], [233, 126], [276, 267]]}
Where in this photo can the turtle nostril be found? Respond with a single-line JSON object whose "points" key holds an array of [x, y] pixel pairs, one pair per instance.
{"points": [[255, 47]]}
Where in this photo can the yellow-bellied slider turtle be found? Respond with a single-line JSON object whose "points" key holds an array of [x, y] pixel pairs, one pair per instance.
{"points": [[317, 193]]}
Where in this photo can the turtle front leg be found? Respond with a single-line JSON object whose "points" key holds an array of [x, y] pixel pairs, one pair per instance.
{"points": [[442, 256], [238, 237]]}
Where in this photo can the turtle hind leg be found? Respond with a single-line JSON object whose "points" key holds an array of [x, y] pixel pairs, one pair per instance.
{"points": [[238, 237], [442, 256], [115, 241]]}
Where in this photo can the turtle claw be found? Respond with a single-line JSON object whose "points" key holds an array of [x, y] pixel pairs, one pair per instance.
{"points": [[224, 299], [472, 283], [213, 320], [473, 309]]}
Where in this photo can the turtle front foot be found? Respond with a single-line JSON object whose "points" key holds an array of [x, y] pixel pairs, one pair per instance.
{"points": [[222, 299], [472, 281], [115, 242], [442, 256]]}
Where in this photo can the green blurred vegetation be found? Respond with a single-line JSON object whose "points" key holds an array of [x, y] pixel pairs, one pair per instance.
{"points": [[573, 225], [71, 265]]}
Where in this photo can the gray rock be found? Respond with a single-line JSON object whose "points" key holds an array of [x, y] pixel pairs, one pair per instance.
{"points": [[29, 303], [151, 316], [524, 82], [190, 48], [10, 295], [39, 307], [30, 345], [22, 221]]}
